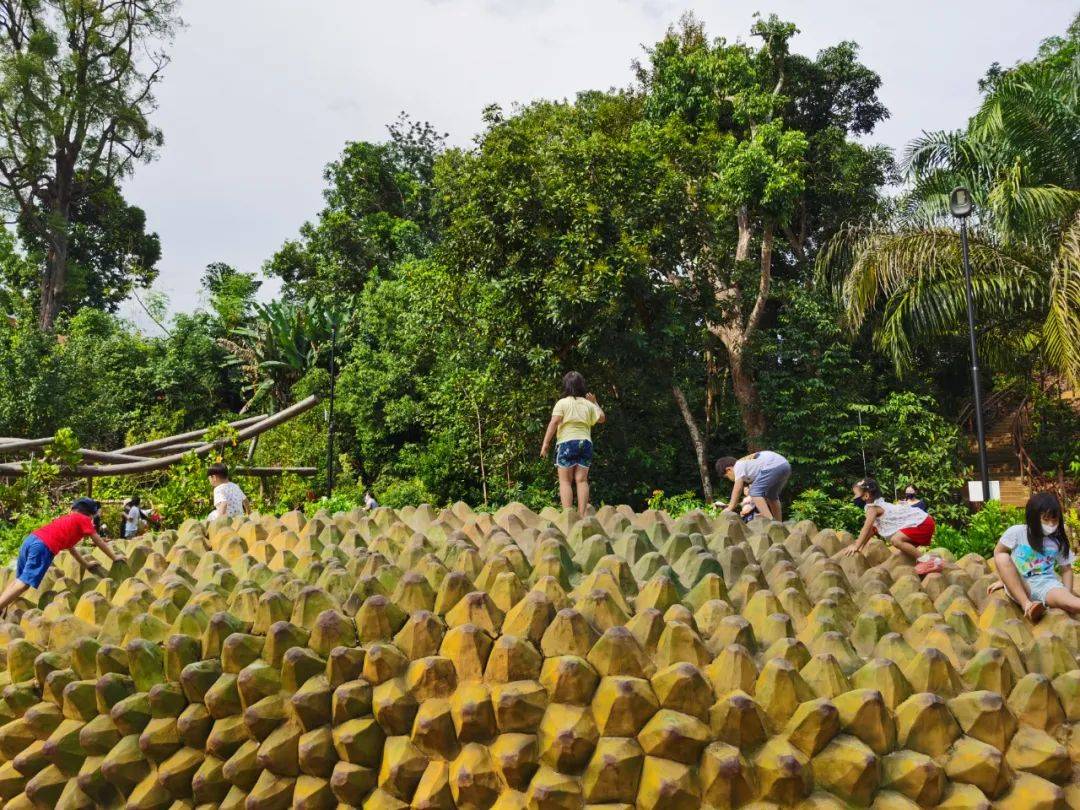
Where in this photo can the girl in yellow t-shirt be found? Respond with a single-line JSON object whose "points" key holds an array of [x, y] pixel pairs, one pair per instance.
{"points": [[571, 420]]}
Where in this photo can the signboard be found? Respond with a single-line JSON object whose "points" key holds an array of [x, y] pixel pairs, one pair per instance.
{"points": [[975, 493]]}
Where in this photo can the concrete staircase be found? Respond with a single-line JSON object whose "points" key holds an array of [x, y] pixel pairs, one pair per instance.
{"points": [[1001, 458], [1001, 453]]}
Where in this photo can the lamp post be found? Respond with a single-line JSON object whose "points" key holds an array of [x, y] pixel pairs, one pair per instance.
{"points": [[330, 415], [960, 205]]}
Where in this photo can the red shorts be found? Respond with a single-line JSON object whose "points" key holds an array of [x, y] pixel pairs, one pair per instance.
{"points": [[922, 534]]}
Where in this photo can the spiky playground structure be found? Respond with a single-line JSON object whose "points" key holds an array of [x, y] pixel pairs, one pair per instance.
{"points": [[447, 659]]}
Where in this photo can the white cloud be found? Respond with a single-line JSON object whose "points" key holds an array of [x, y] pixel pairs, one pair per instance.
{"points": [[261, 94]]}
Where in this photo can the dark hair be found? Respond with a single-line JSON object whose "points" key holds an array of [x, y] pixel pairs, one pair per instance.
{"points": [[870, 486], [573, 385], [914, 490], [723, 463], [1039, 504], [86, 506], [134, 501], [219, 470]]}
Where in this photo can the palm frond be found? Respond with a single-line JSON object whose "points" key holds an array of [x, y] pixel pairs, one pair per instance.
{"points": [[1061, 330], [929, 309], [883, 263], [1033, 112], [1023, 211]]}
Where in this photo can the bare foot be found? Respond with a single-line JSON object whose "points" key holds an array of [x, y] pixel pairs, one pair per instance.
{"points": [[1034, 611]]}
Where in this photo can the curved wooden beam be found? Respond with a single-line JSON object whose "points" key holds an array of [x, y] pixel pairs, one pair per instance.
{"points": [[20, 445], [250, 428], [168, 441], [150, 465]]}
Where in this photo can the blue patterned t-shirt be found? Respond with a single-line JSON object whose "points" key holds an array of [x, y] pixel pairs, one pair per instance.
{"points": [[1032, 563]]}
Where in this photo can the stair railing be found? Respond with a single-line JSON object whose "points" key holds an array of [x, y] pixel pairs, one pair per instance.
{"points": [[996, 405], [1028, 471]]}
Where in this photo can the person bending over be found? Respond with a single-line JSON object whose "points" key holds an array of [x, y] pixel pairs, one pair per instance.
{"points": [[571, 422], [1027, 555], [907, 528], [41, 546], [764, 474]]}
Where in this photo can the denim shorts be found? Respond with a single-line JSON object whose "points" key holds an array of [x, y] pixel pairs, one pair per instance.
{"points": [[34, 560], [574, 453], [1040, 586], [770, 482]]}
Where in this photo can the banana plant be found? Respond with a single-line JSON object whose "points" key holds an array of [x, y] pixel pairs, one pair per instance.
{"points": [[286, 340]]}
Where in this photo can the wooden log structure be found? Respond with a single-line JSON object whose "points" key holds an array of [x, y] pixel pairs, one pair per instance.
{"points": [[143, 458], [169, 441]]}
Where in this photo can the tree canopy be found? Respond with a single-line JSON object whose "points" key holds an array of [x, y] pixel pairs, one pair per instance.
{"points": [[714, 245], [77, 81]]}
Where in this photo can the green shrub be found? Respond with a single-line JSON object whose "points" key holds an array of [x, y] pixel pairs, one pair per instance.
{"points": [[396, 494], [983, 532], [951, 539], [989, 523], [826, 512], [338, 502], [676, 505]]}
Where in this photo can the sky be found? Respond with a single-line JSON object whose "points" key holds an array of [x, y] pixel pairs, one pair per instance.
{"points": [[262, 94]]}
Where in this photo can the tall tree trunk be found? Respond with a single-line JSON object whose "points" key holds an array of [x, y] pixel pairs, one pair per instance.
{"points": [[54, 278], [698, 441], [480, 441], [736, 334], [748, 399]]}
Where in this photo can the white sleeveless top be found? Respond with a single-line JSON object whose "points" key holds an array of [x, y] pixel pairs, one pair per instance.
{"points": [[896, 517]]}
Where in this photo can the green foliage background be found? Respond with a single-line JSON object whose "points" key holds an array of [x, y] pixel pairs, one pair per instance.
{"points": [[596, 234]]}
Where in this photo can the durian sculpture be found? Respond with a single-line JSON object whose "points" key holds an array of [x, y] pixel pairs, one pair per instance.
{"points": [[453, 659]]}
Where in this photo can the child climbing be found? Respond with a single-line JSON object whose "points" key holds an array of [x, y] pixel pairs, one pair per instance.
{"points": [[1027, 555], [571, 423], [42, 545], [906, 527], [765, 474]]}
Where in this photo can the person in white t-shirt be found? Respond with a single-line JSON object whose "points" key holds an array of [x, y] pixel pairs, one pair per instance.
{"points": [[907, 528], [134, 518], [229, 499], [1028, 556]]}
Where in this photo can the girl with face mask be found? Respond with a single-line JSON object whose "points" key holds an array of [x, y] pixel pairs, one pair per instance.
{"points": [[912, 497], [906, 528], [1027, 557]]}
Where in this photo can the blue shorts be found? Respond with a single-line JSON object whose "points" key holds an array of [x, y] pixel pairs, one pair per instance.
{"points": [[574, 453], [1040, 586], [770, 482], [34, 560]]}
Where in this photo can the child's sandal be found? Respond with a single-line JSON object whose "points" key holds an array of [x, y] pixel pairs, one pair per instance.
{"points": [[1035, 612]]}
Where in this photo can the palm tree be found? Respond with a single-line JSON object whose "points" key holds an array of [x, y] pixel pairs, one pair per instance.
{"points": [[1020, 157]]}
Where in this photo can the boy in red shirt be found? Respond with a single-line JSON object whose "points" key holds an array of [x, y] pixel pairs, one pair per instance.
{"points": [[42, 545]]}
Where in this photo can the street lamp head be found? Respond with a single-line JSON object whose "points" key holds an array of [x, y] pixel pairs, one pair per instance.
{"points": [[960, 202]]}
